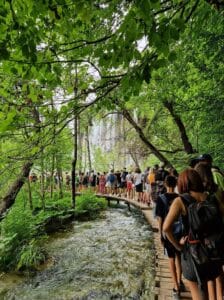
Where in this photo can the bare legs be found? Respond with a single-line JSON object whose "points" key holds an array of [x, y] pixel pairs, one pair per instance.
{"points": [[214, 290], [195, 292], [175, 269]]}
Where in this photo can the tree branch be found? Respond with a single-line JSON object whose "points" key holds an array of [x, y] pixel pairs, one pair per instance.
{"points": [[187, 145], [138, 129]]}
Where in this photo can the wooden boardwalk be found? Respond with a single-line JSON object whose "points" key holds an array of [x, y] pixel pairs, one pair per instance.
{"points": [[163, 282]]}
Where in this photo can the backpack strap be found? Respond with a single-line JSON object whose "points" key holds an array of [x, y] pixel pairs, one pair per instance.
{"points": [[164, 200], [187, 199]]}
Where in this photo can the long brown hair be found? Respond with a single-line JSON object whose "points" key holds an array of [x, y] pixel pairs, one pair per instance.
{"points": [[205, 172], [190, 180]]}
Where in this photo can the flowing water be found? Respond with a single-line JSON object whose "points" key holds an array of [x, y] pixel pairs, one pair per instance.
{"points": [[109, 258]]}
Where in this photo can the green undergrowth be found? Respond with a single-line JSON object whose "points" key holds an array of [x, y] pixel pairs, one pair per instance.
{"points": [[22, 234]]}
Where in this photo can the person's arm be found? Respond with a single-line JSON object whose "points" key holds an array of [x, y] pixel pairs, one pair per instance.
{"points": [[175, 210], [160, 225], [160, 217]]}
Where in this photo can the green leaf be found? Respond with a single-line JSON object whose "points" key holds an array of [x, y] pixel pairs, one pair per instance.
{"points": [[5, 124]]}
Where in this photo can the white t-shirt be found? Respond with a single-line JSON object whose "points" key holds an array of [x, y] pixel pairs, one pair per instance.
{"points": [[138, 178], [129, 177]]}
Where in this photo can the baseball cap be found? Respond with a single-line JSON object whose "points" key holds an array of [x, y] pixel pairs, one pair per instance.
{"points": [[205, 157]]}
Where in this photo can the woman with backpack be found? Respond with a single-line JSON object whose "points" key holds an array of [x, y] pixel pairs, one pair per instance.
{"points": [[211, 188], [196, 271], [163, 204]]}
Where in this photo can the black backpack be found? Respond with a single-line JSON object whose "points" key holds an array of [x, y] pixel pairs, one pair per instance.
{"points": [[206, 229]]}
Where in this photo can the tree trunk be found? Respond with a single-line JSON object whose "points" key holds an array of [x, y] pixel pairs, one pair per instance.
{"points": [[52, 176], [60, 182], [9, 199], [183, 134], [75, 142], [138, 129], [52, 183], [42, 181], [29, 194], [74, 161], [88, 149], [80, 143]]}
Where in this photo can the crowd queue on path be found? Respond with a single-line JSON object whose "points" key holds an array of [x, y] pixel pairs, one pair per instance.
{"points": [[189, 208], [136, 185]]}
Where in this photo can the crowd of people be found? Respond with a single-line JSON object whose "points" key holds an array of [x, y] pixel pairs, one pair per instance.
{"points": [[137, 185], [177, 201], [190, 216]]}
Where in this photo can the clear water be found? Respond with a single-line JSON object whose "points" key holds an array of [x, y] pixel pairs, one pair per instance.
{"points": [[110, 258]]}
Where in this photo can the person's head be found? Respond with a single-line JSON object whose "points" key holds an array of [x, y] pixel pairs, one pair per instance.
{"points": [[205, 172], [170, 181], [205, 158], [173, 172], [189, 180], [156, 167]]}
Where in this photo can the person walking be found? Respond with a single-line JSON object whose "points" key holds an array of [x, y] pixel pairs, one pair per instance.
{"points": [[102, 183], [138, 182], [163, 204], [200, 276], [129, 185]]}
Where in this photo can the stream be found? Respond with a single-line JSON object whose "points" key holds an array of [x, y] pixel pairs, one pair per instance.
{"points": [[109, 258]]}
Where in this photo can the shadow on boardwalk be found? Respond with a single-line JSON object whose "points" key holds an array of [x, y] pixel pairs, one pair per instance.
{"points": [[163, 282]]}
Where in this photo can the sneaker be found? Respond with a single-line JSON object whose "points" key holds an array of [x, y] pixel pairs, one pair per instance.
{"points": [[175, 295], [182, 287]]}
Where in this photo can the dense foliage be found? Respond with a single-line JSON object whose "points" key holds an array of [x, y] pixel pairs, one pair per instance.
{"points": [[66, 66]]}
